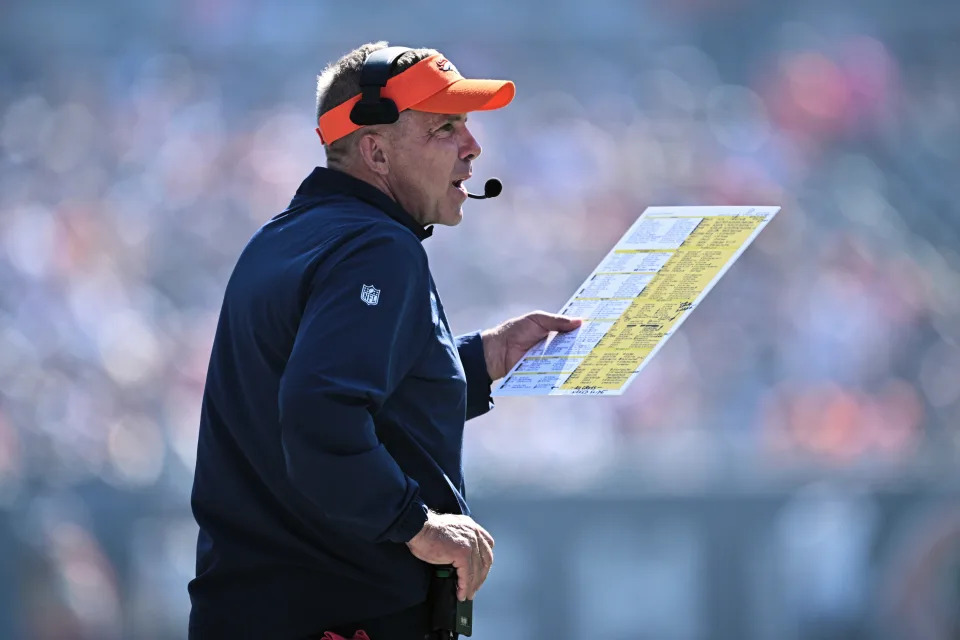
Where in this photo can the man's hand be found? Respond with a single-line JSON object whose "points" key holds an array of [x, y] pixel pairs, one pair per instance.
{"points": [[505, 344], [457, 540]]}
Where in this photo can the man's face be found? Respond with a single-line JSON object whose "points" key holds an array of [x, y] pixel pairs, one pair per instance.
{"points": [[430, 156]]}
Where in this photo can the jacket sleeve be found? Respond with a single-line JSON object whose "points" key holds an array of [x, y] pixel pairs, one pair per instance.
{"points": [[350, 353], [479, 400]]}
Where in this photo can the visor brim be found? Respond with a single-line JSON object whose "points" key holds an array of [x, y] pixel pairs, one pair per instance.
{"points": [[468, 95]]}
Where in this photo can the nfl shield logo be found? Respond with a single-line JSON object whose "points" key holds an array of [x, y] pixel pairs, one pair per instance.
{"points": [[370, 294]]}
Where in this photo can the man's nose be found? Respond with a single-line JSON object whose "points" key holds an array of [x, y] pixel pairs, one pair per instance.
{"points": [[469, 147]]}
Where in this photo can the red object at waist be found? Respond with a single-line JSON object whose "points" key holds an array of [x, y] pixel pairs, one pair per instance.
{"points": [[359, 635]]}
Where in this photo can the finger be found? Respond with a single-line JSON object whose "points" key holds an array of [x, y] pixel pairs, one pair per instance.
{"points": [[478, 571], [470, 572], [555, 322], [462, 565], [486, 535], [466, 571], [486, 557]]}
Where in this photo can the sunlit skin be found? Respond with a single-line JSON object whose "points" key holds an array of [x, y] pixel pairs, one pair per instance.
{"points": [[421, 162]]}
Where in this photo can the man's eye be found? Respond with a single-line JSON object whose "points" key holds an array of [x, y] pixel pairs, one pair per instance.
{"points": [[446, 127]]}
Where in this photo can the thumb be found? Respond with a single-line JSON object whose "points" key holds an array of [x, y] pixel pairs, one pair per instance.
{"points": [[555, 322]]}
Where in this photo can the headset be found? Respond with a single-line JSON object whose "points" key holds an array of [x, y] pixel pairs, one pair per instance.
{"points": [[372, 108], [377, 69]]}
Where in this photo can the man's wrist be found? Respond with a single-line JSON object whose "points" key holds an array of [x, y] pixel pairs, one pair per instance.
{"points": [[410, 523], [488, 339], [427, 514]]}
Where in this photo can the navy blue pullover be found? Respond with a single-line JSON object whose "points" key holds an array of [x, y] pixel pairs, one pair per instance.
{"points": [[332, 416]]}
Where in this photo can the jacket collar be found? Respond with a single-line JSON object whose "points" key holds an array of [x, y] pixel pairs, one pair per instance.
{"points": [[323, 181]]}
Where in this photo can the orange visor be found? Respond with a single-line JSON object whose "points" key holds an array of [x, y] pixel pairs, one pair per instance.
{"points": [[433, 85]]}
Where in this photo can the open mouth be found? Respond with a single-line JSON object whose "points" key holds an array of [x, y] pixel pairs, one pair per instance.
{"points": [[458, 184]]}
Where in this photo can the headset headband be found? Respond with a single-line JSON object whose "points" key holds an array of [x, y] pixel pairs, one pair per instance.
{"points": [[433, 85]]}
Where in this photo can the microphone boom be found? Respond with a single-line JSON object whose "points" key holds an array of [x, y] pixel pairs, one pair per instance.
{"points": [[491, 189]]}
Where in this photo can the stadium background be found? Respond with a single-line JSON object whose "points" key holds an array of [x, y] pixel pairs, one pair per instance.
{"points": [[786, 468]]}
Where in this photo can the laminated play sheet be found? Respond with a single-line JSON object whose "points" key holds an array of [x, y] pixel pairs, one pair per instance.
{"points": [[636, 298]]}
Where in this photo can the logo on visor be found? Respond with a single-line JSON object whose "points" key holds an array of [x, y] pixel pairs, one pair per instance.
{"points": [[445, 65], [370, 294]]}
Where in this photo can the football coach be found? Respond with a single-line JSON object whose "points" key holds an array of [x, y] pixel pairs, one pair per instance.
{"points": [[329, 473]]}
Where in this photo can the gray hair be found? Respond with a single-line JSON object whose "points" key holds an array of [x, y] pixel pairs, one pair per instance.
{"points": [[340, 81]]}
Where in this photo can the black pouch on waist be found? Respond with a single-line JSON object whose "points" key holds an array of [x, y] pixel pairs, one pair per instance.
{"points": [[446, 612]]}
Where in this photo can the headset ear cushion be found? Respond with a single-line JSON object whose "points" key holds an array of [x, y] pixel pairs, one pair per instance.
{"points": [[382, 112]]}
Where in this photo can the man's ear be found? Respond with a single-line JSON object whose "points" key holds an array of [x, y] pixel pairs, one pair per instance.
{"points": [[373, 152]]}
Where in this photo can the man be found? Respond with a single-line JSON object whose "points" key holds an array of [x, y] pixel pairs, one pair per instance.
{"points": [[329, 475]]}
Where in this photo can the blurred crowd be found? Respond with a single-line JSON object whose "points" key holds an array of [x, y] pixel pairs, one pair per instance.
{"points": [[138, 153]]}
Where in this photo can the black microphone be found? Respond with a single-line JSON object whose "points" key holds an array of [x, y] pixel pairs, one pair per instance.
{"points": [[491, 189]]}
